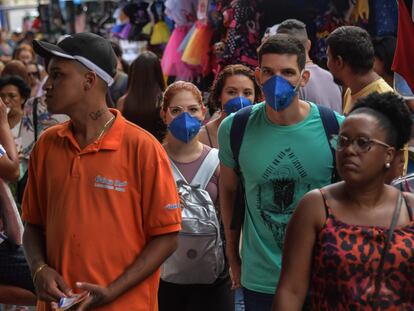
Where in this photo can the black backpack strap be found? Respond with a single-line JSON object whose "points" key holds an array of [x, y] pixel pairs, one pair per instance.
{"points": [[331, 126], [237, 131]]}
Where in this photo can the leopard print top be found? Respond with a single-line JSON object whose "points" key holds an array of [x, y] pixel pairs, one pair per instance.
{"points": [[345, 263]]}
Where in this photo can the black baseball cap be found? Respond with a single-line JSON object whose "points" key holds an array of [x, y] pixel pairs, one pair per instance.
{"points": [[91, 50]]}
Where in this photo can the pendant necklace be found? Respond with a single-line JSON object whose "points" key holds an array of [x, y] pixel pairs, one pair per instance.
{"points": [[105, 126]]}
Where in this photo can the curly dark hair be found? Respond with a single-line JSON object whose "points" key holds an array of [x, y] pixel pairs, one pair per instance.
{"points": [[392, 113], [18, 82], [218, 85]]}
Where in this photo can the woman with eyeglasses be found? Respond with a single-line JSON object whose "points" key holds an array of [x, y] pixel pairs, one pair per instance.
{"points": [[33, 71], [194, 278], [339, 245]]}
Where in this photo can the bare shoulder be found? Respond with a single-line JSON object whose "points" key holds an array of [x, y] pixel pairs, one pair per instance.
{"points": [[311, 198], [312, 207], [217, 172]]}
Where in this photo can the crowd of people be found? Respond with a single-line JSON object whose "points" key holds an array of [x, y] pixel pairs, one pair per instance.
{"points": [[120, 191]]}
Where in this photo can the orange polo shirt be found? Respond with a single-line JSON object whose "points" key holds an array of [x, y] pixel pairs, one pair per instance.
{"points": [[101, 205]]}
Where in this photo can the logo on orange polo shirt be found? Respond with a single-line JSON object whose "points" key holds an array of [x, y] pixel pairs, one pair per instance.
{"points": [[106, 183]]}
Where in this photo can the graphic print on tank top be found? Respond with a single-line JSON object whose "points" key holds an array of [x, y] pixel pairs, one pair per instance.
{"points": [[283, 179]]}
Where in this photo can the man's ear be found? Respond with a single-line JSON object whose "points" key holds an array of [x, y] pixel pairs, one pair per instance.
{"points": [[339, 61], [305, 77], [90, 80], [308, 46], [257, 75]]}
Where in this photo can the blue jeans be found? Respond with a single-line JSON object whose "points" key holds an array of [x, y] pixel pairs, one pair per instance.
{"points": [[255, 301], [239, 299]]}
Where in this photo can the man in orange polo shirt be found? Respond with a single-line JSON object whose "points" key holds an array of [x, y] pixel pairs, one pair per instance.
{"points": [[101, 205]]}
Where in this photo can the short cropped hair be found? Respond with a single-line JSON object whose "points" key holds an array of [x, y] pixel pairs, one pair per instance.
{"points": [[283, 44], [355, 47], [295, 28]]}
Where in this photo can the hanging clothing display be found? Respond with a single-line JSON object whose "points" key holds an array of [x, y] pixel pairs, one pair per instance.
{"points": [[171, 62], [199, 37], [360, 12], [196, 51], [386, 17], [327, 22], [160, 31], [183, 13], [243, 34]]}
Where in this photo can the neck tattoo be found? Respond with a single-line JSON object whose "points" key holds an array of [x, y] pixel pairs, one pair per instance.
{"points": [[97, 114]]}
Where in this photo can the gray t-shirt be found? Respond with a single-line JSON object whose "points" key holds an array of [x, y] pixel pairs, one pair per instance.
{"points": [[321, 88]]}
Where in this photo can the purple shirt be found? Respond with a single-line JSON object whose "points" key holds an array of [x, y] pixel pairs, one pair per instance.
{"points": [[188, 170], [321, 88]]}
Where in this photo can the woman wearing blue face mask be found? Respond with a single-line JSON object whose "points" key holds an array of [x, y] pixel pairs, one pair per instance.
{"points": [[195, 277], [234, 89]]}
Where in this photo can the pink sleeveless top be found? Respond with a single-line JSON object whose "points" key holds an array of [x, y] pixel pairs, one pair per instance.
{"points": [[188, 170]]}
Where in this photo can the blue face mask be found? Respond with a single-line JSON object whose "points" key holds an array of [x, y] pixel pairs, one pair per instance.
{"points": [[279, 93], [185, 127], [235, 104]]}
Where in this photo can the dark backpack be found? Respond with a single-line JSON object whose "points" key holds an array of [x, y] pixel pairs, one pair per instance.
{"points": [[238, 127]]}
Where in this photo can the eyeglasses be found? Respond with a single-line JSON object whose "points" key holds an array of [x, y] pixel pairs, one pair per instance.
{"points": [[360, 144], [177, 110]]}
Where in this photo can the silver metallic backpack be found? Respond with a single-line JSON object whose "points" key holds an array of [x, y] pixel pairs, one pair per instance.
{"points": [[199, 258]]}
